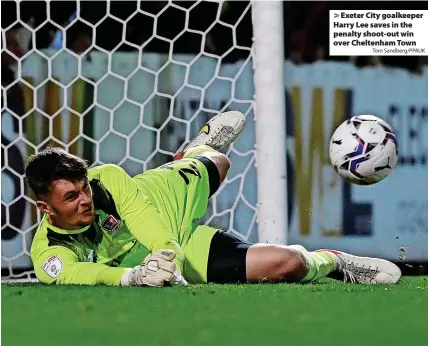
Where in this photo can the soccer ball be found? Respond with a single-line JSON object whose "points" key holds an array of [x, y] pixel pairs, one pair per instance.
{"points": [[363, 150]]}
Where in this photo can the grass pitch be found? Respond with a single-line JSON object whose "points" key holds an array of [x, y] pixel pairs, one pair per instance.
{"points": [[325, 313]]}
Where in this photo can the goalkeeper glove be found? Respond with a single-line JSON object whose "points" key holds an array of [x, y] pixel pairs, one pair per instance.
{"points": [[157, 269]]}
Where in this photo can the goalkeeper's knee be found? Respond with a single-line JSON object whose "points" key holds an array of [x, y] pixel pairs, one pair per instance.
{"points": [[220, 160]]}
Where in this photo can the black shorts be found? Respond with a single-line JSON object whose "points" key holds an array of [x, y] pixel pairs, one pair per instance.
{"points": [[227, 259]]}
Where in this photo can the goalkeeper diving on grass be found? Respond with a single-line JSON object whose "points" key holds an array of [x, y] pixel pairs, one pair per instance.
{"points": [[100, 226]]}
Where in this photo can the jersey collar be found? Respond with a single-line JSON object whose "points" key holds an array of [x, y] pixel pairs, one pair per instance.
{"points": [[64, 231]]}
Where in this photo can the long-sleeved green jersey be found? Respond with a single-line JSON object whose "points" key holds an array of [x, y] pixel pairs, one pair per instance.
{"points": [[91, 255]]}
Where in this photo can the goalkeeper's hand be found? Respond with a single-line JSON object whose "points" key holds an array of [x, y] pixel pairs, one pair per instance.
{"points": [[157, 270]]}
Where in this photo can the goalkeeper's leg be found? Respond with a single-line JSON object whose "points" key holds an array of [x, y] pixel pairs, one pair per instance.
{"points": [[219, 257], [311, 266]]}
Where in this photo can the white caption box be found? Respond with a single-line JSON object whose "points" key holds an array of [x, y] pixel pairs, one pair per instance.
{"points": [[371, 32]]}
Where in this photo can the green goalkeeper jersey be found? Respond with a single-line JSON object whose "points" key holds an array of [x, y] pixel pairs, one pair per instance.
{"points": [[124, 218]]}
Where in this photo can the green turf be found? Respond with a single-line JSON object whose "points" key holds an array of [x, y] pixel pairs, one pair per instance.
{"points": [[327, 313]]}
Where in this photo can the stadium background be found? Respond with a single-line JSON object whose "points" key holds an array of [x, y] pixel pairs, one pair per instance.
{"points": [[90, 100]]}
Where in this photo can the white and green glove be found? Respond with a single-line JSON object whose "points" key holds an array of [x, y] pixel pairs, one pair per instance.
{"points": [[157, 270]]}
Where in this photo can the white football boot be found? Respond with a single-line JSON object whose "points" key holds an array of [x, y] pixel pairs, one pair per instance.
{"points": [[218, 133], [364, 270]]}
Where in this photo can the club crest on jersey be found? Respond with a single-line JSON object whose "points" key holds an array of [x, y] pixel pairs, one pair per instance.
{"points": [[110, 223]]}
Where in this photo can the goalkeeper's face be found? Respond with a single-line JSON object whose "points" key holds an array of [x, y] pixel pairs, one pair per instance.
{"points": [[70, 204]]}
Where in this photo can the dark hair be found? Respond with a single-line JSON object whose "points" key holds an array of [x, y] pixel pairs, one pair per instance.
{"points": [[52, 164]]}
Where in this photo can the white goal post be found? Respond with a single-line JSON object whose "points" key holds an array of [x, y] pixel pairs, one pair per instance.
{"points": [[137, 108], [271, 154]]}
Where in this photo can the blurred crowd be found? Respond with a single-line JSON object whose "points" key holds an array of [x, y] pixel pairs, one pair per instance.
{"points": [[223, 29]]}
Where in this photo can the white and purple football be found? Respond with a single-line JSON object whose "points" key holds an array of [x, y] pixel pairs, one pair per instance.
{"points": [[364, 150]]}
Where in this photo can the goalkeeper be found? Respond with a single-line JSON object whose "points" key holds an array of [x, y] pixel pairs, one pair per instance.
{"points": [[100, 226]]}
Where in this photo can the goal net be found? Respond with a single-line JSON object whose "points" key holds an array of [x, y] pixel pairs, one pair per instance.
{"points": [[134, 102]]}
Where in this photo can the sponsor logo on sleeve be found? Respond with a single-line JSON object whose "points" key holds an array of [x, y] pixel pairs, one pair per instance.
{"points": [[53, 266]]}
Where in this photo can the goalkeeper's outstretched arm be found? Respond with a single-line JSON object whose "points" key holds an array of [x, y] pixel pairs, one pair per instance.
{"points": [[60, 265]]}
